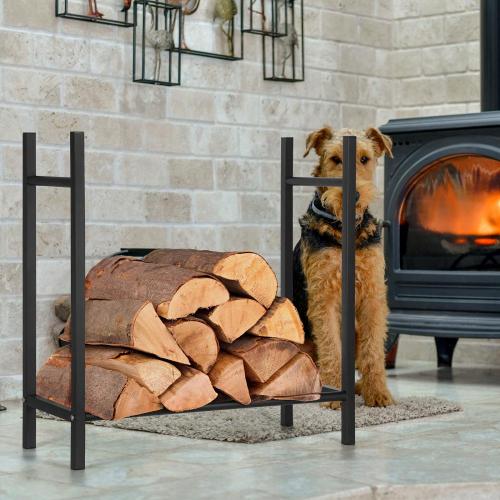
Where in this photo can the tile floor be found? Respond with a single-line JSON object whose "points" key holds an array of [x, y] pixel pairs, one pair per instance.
{"points": [[458, 448]]}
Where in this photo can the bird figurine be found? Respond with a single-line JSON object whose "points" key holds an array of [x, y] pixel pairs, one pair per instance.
{"points": [[93, 10], [225, 10], [159, 40], [257, 12], [189, 7], [287, 45]]}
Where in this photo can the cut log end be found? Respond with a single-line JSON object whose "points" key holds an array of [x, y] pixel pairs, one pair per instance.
{"points": [[233, 318], [197, 293], [281, 321], [197, 340], [249, 274], [297, 380], [193, 390], [262, 357], [228, 375]]}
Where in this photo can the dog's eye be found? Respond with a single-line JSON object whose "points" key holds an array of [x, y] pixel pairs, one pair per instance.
{"points": [[336, 159], [364, 160]]}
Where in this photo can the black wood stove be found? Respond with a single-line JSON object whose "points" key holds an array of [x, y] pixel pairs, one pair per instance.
{"points": [[442, 207], [442, 211]]}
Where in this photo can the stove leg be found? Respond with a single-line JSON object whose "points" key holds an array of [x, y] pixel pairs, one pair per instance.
{"points": [[391, 351], [445, 347]]}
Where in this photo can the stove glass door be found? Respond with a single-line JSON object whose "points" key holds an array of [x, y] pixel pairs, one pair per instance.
{"points": [[450, 216]]}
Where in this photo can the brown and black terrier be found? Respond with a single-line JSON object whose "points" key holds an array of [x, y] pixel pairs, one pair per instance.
{"points": [[317, 265]]}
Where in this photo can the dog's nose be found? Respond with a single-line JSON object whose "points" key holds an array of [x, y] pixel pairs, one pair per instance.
{"points": [[357, 195]]}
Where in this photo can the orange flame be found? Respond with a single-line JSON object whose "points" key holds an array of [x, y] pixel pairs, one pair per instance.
{"points": [[459, 196]]}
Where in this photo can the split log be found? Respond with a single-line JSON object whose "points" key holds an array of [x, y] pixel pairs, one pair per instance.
{"points": [[233, 318], [128, 323], [243, 273], [281, 321], [262, 357], [175, 292], [228, 375], [109, 394], [197, 340], [193, 390], [298, 380], [154, 374]]}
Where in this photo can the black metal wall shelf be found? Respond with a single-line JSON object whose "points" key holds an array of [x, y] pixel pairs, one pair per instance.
{"points": [[268, 9], [158, 29], [278, 33], [283, 57], [212, 55], [76, 182], [65, 12]]}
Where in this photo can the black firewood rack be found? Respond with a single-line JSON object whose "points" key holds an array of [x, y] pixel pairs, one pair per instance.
{"points": [[76, 183]]}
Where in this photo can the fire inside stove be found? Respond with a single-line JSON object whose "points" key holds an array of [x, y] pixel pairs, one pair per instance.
{"points": [[450, 216]]}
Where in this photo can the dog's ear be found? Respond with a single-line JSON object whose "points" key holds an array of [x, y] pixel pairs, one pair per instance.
{"points": [[383, 143], [316, 139]]}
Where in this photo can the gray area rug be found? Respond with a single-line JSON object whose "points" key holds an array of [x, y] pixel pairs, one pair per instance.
{"points": [[257, 425]]}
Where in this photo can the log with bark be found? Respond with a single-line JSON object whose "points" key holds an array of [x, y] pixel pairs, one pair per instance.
{"points": [[233, 318], [109, 394], [154, 374], [198, 341], [262, 357], [297, 380], [192, 390], [175, 292], [128, 323], [243, 273], [281, 321], [228, 375]]}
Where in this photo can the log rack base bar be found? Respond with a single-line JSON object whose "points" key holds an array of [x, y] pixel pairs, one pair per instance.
{"points": [[76, 414]]}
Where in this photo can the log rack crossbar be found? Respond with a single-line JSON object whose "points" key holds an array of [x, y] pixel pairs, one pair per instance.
{"points": [[76, 182]]}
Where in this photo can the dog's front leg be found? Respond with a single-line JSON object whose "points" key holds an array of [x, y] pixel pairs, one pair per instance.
{"points": [[325, 322], [371, 331]]}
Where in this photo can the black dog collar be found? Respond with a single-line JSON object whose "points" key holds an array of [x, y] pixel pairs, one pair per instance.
{"points": [[317, 208]]}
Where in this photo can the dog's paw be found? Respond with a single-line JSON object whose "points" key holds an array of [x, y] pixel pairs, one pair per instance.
{"points": [[331, 405], [379, 398]]}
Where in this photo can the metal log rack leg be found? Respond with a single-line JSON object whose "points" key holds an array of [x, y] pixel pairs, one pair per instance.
{"points": [[31, 402], [348, 184], [76, 182]]}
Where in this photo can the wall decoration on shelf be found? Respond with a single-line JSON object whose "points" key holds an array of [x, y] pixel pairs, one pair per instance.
{"points": [[189, 7], [155, 39], [262, 17], [93, 11], [223, 35], [283, 57]]}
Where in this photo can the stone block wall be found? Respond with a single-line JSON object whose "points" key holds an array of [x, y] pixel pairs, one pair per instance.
{"points": [[198, 165]]}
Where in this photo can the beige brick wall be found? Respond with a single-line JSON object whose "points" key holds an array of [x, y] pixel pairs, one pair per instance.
{"points": [[198, 165], [435, 57]]}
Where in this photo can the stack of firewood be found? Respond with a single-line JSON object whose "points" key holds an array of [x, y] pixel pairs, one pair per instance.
{"points": [[179, 327]]}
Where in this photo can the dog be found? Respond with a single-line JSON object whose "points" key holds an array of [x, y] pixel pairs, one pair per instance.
{"points": [[317, 265]]}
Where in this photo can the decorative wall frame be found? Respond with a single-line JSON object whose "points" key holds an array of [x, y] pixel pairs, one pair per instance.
{"points": [[154, 41], [68, 9], [283, 56], [228, 19], [279, 22], [262, 17]]}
